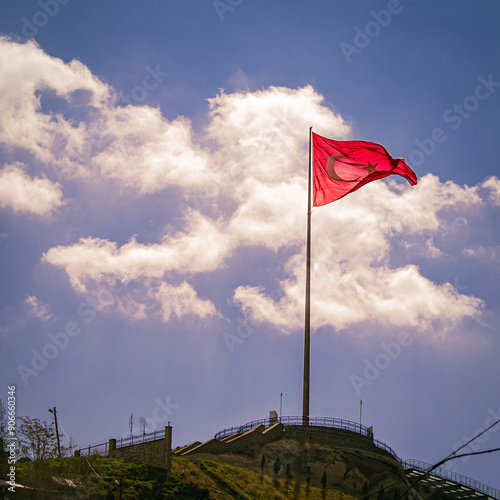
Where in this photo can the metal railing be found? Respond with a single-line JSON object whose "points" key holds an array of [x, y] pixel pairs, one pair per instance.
{"points": [[452, 476], [102, 448], [316, 422], [383, 446], [143, 438], [334, 423], [94, 449]]}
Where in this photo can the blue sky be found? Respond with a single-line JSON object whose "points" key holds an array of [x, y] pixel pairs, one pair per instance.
{"points": [[153, 165]]}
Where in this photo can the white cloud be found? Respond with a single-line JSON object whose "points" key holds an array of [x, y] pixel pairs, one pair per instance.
{"points": [[201, 248], [486, 254], [263, 135], [133, 145], [270, 216], [37, 308], [150, 297], [141, 150], [182, 300], [28, 74], [26, 195]]}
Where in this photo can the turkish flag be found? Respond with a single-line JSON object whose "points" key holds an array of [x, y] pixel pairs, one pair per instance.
{"points": [[341, 167]]}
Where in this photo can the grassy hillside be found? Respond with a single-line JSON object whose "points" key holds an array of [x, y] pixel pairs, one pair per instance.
{"points": [[98, 477]]}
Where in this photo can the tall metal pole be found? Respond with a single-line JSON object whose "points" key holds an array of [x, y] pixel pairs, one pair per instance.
{"points": [[360, 408], [57, 431], [307, 325], [281, 404]]}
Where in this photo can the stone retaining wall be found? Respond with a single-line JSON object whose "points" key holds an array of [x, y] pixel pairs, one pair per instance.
{"points": [[154, 453]]}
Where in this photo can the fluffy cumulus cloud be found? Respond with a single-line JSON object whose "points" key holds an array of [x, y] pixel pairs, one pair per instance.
{"points": [[23, 194], [262, 135], [139, 149], [68, 120], [150, 297], [249, 168], [29, 76], [90, 260]]}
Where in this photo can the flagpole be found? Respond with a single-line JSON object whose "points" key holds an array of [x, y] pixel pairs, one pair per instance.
{"points": [[307, 324]]}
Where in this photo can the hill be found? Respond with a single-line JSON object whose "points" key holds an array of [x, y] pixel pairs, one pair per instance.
{"points": [[98, 477]]}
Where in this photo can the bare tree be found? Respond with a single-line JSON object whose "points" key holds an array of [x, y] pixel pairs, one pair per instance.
{"points": [[68, 450], [37, 439], [142, 425], [3, 424]]}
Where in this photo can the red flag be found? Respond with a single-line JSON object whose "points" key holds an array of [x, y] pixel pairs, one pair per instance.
{"points": [[341, 167]]}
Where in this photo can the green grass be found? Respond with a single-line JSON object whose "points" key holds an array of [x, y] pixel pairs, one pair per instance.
{"points": [[99, 477]]}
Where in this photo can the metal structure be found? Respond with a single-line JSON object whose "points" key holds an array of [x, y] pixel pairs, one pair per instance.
{"points": [[307, 316], [448, 483], [296, 421], [314, 424], [102, 448]]}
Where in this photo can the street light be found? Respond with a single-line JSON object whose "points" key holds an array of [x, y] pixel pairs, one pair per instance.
{"points": [[53, 410]]}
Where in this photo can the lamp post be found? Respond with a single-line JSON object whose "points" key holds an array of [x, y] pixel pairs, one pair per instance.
{"points": [[53, 411]]}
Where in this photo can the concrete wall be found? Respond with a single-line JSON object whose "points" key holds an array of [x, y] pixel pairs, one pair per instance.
{"points": [[153, 453]]}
